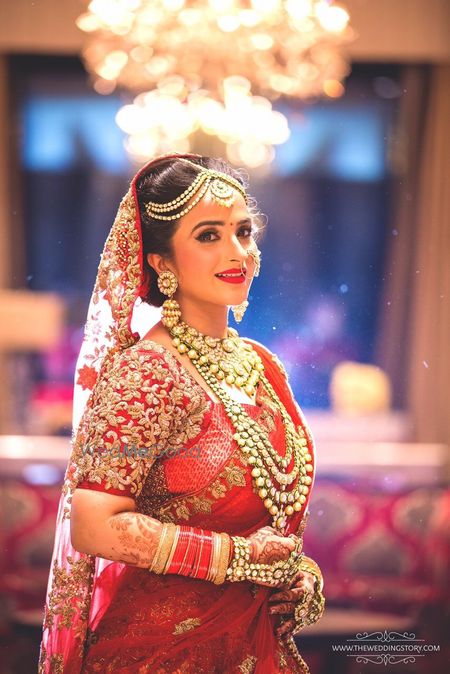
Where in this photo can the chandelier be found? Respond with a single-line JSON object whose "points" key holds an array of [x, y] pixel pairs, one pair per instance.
{"points": [[213, 66]]}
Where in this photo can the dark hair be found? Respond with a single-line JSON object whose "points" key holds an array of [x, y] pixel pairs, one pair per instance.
{"points": [[162, 183]]}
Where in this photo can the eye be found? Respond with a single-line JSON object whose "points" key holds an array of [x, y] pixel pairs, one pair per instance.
{"points": [[246, 231], [205, 236]]}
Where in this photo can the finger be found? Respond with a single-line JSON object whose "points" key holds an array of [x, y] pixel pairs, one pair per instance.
{"points": [[284, 607], [296, 581], [285, 628], [289, 543], [298, 593], [309, 579], [284, 595]]}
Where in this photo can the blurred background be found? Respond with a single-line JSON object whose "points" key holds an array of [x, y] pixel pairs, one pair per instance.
{"points": [[339, 113]]}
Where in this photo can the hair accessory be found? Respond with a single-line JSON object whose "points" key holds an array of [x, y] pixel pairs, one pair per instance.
{"points": [[223, 189], [171, 312]]}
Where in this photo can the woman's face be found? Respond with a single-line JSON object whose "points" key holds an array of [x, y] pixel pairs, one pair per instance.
{"points": [[211, 239]]}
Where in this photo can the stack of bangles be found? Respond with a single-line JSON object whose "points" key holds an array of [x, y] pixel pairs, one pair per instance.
{"points": [[217, 557], [193, 552]]}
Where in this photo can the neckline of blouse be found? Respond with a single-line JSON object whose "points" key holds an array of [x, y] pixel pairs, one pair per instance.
{"points": [[186, 373]]}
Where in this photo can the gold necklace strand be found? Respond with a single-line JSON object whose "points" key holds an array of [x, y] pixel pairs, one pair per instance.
{"points": [[190, 341], [259, 451], [211, 344], [245, 362], [229, 359], [252, 438]]}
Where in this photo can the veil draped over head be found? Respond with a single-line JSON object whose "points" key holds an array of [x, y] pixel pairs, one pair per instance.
{"points": [[121, 281]]}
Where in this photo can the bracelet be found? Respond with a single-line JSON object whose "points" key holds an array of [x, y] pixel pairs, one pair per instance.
{"points": [[312, 567], [167, 536], [278, 573], [308, 613], [224, 556]]}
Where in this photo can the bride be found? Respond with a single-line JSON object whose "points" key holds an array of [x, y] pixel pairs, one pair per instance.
{"points": [[168, 560]]}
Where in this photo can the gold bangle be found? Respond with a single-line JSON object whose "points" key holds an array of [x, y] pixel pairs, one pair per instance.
{"points": [[170, 550], [158, 549], [165, 548], [307, 614], [309, 565], [216, 545], [223, 560]]}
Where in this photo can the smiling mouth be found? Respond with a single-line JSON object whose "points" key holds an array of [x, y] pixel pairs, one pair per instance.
{"points": [[232, 277]]}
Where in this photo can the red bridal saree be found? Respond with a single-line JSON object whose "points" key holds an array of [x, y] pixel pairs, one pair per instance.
{"points": [[142, 622]]}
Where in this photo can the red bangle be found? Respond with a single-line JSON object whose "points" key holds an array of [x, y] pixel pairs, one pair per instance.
{"points": [[193, 553]]}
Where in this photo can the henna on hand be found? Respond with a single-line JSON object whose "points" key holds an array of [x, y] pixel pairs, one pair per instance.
{"points": [[295, 594], [137, 536], [284, 607], [267, 548], [287, 627]]}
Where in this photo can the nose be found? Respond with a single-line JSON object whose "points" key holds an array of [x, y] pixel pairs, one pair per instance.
{"points": [[237, 251]]}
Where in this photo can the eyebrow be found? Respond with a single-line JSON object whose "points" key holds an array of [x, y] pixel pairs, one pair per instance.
{"points": [[221, 223]]}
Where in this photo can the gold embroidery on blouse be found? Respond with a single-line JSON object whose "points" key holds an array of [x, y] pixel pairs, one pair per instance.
{"points": [[163, 412], [186, 625], [232, 475], [190, 401], [247, 666]]}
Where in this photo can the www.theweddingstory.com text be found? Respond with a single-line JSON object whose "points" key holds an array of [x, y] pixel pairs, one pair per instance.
{"points": [[132, 451]]}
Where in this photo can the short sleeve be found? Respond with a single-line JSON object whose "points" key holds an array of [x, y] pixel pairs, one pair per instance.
{"points": [[132, 415]]}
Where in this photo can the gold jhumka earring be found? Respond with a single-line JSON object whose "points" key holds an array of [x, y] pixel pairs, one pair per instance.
{"points": [[171, 312]]}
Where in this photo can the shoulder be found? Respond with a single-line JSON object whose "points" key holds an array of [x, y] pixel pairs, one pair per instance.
{"points": [[135, 371], [267, 355]]}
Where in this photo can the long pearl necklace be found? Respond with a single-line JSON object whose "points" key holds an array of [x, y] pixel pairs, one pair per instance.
{"points": [[233, 360]]}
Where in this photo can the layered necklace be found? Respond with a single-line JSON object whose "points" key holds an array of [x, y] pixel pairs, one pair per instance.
{"points": [[236, 362]]}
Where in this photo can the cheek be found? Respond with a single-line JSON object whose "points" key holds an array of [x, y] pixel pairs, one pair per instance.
{"points": [[196, 262]]}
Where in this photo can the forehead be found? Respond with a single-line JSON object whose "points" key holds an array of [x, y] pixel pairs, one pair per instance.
{"points": [[209, 209]]}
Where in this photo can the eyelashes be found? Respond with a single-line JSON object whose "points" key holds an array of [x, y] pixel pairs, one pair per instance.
{"points": [[204, 236]]}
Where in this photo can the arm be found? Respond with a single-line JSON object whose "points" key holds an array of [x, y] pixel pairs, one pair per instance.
{"points": [[107, 526], [137, 405]]}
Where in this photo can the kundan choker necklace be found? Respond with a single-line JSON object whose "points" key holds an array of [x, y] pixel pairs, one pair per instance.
{"points": [[232, 360]]}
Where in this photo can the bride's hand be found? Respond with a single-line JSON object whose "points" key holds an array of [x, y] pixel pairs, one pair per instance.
{"points": [[267, 545], [282, 602]]}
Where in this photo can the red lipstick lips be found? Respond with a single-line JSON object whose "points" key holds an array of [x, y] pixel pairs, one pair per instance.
{"points": [[232, 275]]}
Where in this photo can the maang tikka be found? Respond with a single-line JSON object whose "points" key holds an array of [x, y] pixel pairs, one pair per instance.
{"points": [[239, 309], [171, 312]]}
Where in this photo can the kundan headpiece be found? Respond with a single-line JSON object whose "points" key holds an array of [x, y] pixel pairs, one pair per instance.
{"points": [[222, 188]]}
